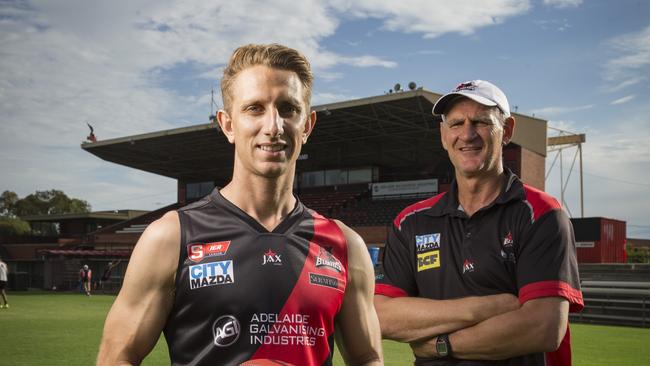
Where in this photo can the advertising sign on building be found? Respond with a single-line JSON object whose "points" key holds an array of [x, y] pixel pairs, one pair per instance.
{"points": [[405, 188]]}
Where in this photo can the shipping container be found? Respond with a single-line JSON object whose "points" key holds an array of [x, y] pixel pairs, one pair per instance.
{"points": [[600, 240]]}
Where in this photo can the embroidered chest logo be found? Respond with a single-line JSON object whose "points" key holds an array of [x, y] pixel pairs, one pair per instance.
{"points": [[427, 242], [468, 266], [270, 257], [507, 248], [327, 260], [197, 251]]}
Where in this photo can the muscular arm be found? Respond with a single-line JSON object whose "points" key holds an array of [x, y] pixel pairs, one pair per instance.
{"points": [[357, 328], [137, 317], [538, 326], [408, 319]]}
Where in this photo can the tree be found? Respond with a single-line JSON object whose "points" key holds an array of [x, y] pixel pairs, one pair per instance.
{"points": [[8, 201], [52, 202]]}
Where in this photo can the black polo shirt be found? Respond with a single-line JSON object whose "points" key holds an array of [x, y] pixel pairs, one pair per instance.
{"points": [[522, 243]]}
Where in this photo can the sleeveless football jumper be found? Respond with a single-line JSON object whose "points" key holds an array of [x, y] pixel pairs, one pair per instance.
{"points": [[244, 293]]}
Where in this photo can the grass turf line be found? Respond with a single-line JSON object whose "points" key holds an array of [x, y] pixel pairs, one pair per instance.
{"points": [[65, 329]]}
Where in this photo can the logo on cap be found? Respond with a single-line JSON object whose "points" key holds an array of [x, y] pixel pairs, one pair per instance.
{"points": [[465, 86]]}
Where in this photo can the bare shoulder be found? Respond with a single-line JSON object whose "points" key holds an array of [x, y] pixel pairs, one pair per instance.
{"points": [[359, 263], [157, 251]]}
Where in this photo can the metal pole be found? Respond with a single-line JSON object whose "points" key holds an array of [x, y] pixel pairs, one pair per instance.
{"points": [[561, 180], [582, 202]]}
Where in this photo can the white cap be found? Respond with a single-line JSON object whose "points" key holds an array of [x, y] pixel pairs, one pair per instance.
{"points": [[85, 266], [480, 91]]}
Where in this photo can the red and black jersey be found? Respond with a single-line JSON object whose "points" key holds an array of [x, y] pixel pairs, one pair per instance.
{"points": [[244, 293], [521, 244]]}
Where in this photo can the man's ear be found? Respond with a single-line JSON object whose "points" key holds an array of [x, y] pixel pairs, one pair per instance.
{"points": [[508, 129], [443, 131], [225, 122], [309, 126]]}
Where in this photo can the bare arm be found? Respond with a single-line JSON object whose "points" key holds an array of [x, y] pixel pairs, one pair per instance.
{"points": [[408, 319], [138, 315], [357, 328], [538, 326]]}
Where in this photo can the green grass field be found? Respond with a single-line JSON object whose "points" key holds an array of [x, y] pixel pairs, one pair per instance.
{"points": [[64, 329]]}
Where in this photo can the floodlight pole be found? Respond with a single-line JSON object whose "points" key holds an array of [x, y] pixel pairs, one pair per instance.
{"points": [[582, 202]]}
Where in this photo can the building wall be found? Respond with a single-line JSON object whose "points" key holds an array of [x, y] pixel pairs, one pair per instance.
{"points": [[533, 168]]}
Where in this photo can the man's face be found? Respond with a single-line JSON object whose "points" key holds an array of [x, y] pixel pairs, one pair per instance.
{"points": [[473, 137], [268, 122]]}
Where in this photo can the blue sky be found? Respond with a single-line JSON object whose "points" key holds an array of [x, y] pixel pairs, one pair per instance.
{"points": [[139, 66]]}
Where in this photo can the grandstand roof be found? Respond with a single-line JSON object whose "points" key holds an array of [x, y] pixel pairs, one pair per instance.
{"points": [[391, 131]]}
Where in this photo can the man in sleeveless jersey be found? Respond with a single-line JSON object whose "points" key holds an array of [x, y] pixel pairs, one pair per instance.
{"points": [[454, 262], [248, 275]]}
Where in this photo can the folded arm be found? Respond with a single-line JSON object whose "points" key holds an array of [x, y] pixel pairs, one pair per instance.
{"points": [[538, 326], [408, 319]]}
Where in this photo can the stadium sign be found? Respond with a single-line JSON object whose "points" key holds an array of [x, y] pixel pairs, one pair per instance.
{"points": [[411, 187]]}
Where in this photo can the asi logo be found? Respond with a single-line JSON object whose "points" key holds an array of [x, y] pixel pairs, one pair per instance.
{"points": [[427, 242], [271, 257], [226, 331], [197, 251], [428, 260], [211, 274], [327, 260]]}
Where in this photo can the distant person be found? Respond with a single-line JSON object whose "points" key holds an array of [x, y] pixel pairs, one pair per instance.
{"points": [[85, 276], [4, 271], [249, 275], [106, 275], [486, 273]]}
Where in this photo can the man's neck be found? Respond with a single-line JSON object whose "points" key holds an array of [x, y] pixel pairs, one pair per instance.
{"points": [[475, 193], [267, 200]]}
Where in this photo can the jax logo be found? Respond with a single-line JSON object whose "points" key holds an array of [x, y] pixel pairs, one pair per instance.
{"points": [[211, 274], [427, 242], [468, 266], [507, 241], [272, 257]]}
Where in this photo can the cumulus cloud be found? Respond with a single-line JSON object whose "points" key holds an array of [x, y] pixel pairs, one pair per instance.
{"points": [[432, 18]]}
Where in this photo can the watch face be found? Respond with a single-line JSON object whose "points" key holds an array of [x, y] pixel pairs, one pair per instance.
{"points": [[441, 347]]}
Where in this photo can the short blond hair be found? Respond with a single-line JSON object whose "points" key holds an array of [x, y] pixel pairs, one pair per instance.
{"points": [[272, 55]]}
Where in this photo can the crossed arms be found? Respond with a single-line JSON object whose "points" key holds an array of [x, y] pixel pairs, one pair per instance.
{"points": [[480, 327]]}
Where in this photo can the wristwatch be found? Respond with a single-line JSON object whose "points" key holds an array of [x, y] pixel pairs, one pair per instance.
{"points": [[443, 346]]}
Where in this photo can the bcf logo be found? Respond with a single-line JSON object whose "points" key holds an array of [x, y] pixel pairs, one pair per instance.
{"points": [[226, 331]]}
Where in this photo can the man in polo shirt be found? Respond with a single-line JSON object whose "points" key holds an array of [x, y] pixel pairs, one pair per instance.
{"points": [[454, 263]]}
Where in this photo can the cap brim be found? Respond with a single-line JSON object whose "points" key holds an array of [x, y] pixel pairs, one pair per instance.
{"points": [[442, 104]]}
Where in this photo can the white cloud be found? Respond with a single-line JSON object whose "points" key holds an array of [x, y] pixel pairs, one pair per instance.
{"points": [[551, 111], [625, 84], [625, 99], [433, 18], [632, 56], [110, 63], [563, 3]]}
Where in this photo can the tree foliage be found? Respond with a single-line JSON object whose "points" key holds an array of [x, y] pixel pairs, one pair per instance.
{"points": [[52, 202]]}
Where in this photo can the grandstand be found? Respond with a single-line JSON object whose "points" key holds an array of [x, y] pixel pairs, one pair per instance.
{"points": [[356, 145]]}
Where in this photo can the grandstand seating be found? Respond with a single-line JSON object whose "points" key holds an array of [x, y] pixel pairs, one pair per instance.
{"points": [[616, 294]]}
